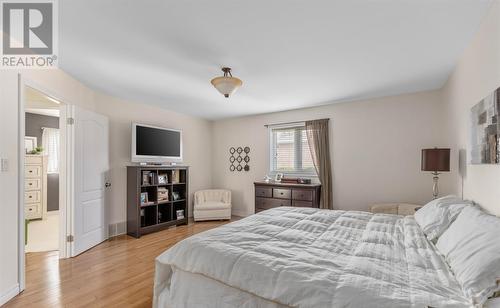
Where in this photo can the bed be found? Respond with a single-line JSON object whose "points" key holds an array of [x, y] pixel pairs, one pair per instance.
{"points": [[304, 257]]}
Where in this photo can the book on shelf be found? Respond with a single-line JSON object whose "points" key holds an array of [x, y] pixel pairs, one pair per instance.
{"points": [[147, 178], [143, 217], [180, 214], [175, 176], [144, 198]]}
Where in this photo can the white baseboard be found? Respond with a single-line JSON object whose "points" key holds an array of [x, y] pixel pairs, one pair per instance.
{"points": [[9, 294], [240, 213]]}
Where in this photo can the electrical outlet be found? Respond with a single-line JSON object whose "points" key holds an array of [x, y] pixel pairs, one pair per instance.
{"points": [[4, 164]]}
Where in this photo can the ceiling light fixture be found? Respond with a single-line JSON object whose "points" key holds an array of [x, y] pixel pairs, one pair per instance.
{"points": [[226, 84]]}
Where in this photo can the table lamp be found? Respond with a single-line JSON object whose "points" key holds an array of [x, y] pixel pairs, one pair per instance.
{"points": [[436, 161]]}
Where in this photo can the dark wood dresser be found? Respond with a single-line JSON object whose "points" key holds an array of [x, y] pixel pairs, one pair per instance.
{"points": [[270, 195]]}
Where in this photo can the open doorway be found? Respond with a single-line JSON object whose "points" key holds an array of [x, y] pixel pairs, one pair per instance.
{"points": [[78, 210], [42, 164]]}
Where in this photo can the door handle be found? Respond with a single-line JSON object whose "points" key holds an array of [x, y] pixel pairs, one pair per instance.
{"points": [[108, 184]]}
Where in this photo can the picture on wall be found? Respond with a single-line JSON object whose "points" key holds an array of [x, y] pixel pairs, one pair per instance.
{"points": [[485, 130]]}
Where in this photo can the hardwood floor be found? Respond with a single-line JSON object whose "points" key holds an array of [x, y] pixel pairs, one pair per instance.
{"points": [[116, 273]]}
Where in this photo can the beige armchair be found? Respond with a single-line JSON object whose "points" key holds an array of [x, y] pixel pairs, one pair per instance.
{"points": [[212, 204], [395, 208]]}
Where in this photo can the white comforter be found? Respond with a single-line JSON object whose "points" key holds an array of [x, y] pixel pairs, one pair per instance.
{"points": [[302, 257]]}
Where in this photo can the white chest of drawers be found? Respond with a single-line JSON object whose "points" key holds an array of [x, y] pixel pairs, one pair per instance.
{"points": [[35, 186]]}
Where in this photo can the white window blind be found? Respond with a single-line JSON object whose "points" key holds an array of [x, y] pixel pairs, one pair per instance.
{"points": [[50, 144], [290, 152]]}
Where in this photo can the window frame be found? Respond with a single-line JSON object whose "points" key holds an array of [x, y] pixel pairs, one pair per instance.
{"points": [[297, 151]]}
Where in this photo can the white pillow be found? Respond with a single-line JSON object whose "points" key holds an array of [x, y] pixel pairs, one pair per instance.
{"points": [[434, 217], [471, 247]]}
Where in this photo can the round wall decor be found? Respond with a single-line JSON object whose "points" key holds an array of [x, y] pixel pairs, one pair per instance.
{"points": [[239, 159]]}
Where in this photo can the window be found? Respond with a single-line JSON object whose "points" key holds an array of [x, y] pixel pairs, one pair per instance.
{"points": [[50, 144], [290, 152]]}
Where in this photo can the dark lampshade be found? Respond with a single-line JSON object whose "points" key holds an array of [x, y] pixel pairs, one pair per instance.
{"points": [[436, 160]]}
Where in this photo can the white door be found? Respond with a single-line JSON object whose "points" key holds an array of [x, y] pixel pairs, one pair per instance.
{"points": [[91, 169]]}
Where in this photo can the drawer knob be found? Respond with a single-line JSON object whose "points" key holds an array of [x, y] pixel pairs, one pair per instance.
{"points": [[30, 197], [31, 209], [281, 193]]}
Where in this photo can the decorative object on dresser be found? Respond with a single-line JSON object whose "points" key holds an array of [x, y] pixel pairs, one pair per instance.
{"points": [[295, 180], [435, 160], [278, 177], [212, 204], [35, 181], [150, 203], [30, 143], [272, 194]]}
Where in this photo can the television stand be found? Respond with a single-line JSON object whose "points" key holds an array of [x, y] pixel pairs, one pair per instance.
{"points": [[157, 198]]}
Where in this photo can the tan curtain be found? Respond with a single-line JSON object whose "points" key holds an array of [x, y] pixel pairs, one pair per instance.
{"points": [[319, 143]]}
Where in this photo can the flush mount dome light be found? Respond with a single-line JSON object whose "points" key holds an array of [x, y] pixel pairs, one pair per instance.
{"points": [[226, 84]]}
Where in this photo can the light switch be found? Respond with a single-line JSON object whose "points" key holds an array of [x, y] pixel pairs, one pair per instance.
{"points": [[4, 164]]}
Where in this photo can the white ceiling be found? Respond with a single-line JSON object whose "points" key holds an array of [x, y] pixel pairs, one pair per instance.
{"points": [[289, 53], [39, 103]]}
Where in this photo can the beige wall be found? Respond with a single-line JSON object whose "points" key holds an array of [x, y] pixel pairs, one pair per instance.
{"points": [[197, 140], [476, 75], [197, 147], [66, 87], [8, 187], [375, 150]]}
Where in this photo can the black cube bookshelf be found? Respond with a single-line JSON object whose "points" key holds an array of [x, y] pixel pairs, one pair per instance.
{"points": [[155, 194]]}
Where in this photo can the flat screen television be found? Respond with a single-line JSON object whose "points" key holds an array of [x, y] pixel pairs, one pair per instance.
{"points": [[152, 144]]}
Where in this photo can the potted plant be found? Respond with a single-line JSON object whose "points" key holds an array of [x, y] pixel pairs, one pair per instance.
{"points": [[37, 151]]}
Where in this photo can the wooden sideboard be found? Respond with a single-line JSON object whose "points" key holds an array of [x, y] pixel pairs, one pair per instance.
{"points": [[272, 194]]}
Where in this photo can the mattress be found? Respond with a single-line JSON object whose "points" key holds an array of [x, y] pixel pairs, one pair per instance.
{"points": [[303, 257]]}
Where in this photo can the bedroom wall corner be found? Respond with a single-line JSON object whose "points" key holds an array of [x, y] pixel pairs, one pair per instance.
{"points": [[476, 74], [375, 148], [197, 145]]}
